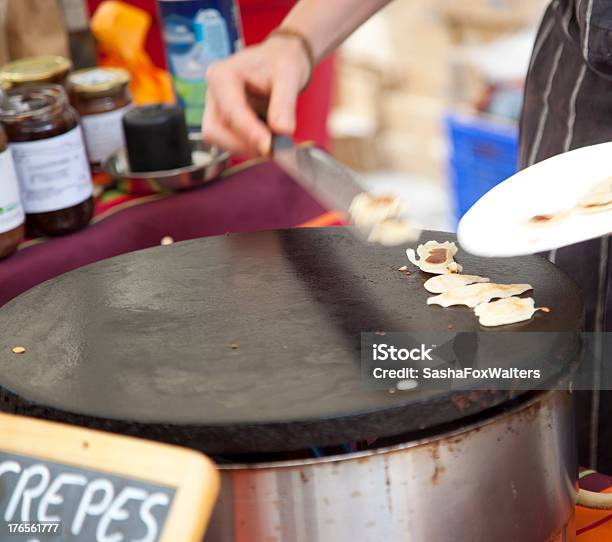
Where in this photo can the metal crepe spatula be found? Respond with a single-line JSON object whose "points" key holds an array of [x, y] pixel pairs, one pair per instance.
{"points": [[327, 180], [321, 175]]}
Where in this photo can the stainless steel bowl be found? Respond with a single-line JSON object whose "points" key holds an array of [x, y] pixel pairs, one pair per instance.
{"points": [[208, 163]]}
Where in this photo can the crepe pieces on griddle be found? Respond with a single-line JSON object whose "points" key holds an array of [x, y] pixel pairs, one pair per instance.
{"points": [[598, 199], [436, 258], [443, 283], [507, 311], [378, 217], [475, 294], [494, 304]]}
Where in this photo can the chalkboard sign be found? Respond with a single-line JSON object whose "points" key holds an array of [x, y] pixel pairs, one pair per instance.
{"points": [[62, 483]]}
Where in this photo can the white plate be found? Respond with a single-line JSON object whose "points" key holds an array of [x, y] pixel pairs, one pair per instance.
{"points": [[497, 224]]}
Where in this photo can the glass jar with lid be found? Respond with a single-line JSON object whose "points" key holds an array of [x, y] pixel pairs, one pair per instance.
{"points": [[101, 97], [12, 218], [50, 159], [36, 70]]}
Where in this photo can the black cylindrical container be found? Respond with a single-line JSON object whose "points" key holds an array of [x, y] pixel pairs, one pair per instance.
{"points": [[156, 138]]}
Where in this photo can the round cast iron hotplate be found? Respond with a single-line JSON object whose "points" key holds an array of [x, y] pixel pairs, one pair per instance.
{"points": [[248, 342]]}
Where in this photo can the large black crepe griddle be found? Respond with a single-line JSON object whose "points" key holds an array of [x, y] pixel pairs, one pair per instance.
{"points": [[247, 342]]}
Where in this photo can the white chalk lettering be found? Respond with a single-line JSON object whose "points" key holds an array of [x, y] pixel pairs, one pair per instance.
{"points": [[116, 512], [156, 499], [27, 494], [87, 507], [53, 498]]}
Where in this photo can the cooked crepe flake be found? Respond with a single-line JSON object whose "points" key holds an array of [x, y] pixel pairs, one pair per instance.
{"points": [[475, 294], [393, 231], [367, 210], [507, 311], [549, 218], [436, 258], [444, 283], [598, 199]]}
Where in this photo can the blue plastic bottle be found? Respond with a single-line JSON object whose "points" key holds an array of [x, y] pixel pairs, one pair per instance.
{"points": [[197, 33]]}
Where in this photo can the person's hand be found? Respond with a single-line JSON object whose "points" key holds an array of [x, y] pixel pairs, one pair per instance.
{"points": [[271, 73]]}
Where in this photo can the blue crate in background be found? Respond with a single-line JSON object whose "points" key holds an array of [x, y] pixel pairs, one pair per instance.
{"points": [[482, 154]]}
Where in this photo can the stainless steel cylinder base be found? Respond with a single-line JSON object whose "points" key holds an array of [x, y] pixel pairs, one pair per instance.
{"points": [[511, 478]]}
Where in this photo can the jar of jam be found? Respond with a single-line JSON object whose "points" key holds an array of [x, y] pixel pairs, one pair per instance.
{"points": [[12, 218], [36, 70], [50, 159], [101, 97]]}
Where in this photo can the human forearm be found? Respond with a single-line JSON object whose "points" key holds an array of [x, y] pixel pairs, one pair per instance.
{"points": [[327, 23], [275, 72]]}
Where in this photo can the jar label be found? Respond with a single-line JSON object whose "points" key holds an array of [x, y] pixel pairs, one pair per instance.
{"points": [[53, 173], [11, 211], [104, 133]]}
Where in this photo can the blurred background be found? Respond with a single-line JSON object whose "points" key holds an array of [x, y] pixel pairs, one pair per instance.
{"points": [[427, 98]]}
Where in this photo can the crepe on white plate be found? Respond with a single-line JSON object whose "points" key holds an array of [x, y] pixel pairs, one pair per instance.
{"points": [[570, 191]]}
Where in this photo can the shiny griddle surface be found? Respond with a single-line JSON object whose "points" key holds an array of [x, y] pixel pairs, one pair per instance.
{"points": [[245, 342]]}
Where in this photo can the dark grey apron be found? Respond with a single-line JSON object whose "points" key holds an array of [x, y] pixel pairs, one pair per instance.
{"points": [[568, 104]]}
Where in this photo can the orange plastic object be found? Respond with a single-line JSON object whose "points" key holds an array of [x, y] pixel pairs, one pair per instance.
{"points": [[121, 30]]}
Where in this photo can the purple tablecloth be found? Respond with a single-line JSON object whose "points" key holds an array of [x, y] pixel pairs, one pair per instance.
{"points": [[256, 197]]}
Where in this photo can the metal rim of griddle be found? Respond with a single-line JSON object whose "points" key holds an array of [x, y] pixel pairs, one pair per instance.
{"points": [[409, 441], [190, 435]]}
